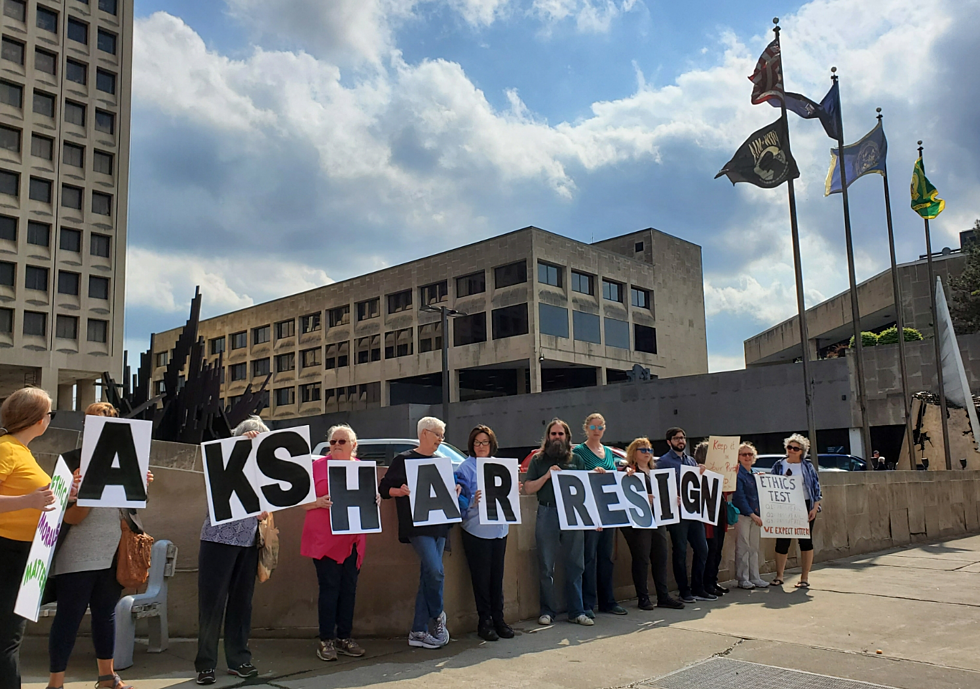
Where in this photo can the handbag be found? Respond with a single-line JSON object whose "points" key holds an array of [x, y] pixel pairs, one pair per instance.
{"points": [[268, 543], [732, 514], [133, 556]]}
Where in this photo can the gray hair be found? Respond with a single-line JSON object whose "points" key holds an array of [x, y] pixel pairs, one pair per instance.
{"points": [[252, 423], [800, 440], [346, 429], [431, 423]]}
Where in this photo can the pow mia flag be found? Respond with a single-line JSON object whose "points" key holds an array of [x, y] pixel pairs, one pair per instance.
{"points": [[764, 159]]}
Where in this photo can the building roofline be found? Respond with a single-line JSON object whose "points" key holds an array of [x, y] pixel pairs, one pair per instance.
{"points": [[643, 231]]}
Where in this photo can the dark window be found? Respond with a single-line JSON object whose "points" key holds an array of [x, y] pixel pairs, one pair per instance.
{"points": [[309, 323], [286, 329], [107, 42], [38, 234], [36, 278], [108, 6], [310, 357], [97, 330], [6, 321], [260, 367], [40, 190], [553, 320], [102, 162], [238, 371], [583, 283], [400, 301], [163, 358], [471, 284], [35, 323], [100, 245], [368, 349], [74, 113], [434, 293], [105, 122], [98, 288], [469, 329], [45, 62], [47, 20], [338, 355], [71, 240], [9, 183], [74, 155], [216, 345], [15, 9], [309, 393], [644, 339], [368, 309], [7, 271], [76, 71], [77, 31], [11, 94], [43, 103], [261, 335], [512, 274], [617, 333], [8, 228], [612, 291], [285, 396], [285, 362], [509, 321], [586, 327], [640, 298], [42, 147], [10, 139], [66, 327], [399, 343], [550, 275], [430, 337], [638, 247], [339, 316], [71, 197], [105, 81], [239, 340], [12, 51], [101, 203]]}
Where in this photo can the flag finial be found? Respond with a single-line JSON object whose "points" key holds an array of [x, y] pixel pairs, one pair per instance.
{"points": [[775, 20], [878, 110], [920, 147], [833, 74]]}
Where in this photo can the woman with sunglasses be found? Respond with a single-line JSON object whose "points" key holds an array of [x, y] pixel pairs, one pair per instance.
{"points": [[647, 545], [597, 581], [337, 557], [748, 530], [796, 464], [484, 544]]}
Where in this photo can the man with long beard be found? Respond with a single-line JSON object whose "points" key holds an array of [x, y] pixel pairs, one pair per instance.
{"points": [[556, 455]]}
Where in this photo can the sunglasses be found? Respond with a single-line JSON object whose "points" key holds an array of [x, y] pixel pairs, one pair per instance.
{"points": [[481, 443], [339, 441], [593, 427], [645, 450], [51, 415], [794, 448]]}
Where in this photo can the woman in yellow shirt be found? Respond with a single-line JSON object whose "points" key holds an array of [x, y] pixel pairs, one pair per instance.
{"points": [[24, 494]]}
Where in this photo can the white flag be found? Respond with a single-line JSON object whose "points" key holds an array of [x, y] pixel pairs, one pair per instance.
{"points": [[955, 382]]}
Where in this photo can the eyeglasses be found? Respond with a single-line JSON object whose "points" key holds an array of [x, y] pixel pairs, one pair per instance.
{"points": [[438, 435], [593, 427], [679, 437], [794, 448], [51, 415], [745, 454], [338, 441], [481, 443], [645, 450]]}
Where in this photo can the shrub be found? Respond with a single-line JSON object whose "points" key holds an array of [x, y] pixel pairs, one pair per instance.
{"points": [[890, 336], [868, 339]]}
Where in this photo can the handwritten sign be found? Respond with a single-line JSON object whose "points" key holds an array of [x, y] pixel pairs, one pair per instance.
{"points": [[783, 506], [722, 458]]}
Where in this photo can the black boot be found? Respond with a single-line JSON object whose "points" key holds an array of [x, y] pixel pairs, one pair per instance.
{"points": [[486, 631], [644, 603], [503, 630]]}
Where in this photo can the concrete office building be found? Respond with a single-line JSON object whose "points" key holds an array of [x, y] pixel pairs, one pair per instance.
{"points": [[540, 312], [65, 75]]}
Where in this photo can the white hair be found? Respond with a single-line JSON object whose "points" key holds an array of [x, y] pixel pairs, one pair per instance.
{"points": [[346, 429], [431, 423], [800, 440], [252, 423]]}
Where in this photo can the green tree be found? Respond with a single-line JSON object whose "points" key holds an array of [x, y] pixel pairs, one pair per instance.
{"points": [[890, 335], [964, 291], [868, 339]]}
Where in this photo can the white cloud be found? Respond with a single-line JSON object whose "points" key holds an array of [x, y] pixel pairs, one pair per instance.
{"points": [[590, 16], [721, 362]]}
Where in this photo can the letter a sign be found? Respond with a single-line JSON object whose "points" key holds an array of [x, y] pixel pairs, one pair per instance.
{"points": [[115, 459]]}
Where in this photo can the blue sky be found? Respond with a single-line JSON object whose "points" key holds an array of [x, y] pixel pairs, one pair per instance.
{"points": [[281, 144]]}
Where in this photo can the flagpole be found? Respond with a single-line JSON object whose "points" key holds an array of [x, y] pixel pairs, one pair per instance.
{"points": [[899, 315], [800, 299], [852, 281], [935, 336]]}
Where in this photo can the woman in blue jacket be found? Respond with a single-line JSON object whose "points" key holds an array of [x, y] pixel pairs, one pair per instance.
{"points": [[796, 464], [749, 526]]}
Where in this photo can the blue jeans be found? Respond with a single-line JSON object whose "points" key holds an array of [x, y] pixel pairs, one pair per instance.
{"points": [[428, 601], [681, 534], [571, 544], [598, 577]]}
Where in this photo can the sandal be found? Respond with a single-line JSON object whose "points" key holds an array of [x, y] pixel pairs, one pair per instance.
{"points": [[803, 584], [116, 680], [776, 582]]}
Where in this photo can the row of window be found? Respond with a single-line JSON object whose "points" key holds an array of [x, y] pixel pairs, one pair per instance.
{"points": [[42, 190], [587, 327], [39, 234], [66, 327], [46, 19], [36, 278], [44, 104], [43, 147], [13, 50], [369, 393], [584, 283]]}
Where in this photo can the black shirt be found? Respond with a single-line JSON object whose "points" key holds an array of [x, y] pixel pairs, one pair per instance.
{"points": [[396, 478]]}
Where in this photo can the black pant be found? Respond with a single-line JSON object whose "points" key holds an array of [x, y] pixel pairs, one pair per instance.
{"points": [[806, 544], [226, 574], [681, 534], [597, 580], [13, 561], [716, 544], [77, 591], [485, 557], [648, 546], [338, 587]]}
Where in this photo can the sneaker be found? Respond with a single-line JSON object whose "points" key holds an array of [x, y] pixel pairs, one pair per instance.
{"points": [[719, 590], [590, 614], [205, 677], [761, 583], [747, 585], [326, 650], [583, 620], [616, 609], [503, 630], [349, 647], [486, 631], [670, 602], [545, 620], [704, 595], [688, 598], [245, 670], [644, 604], [440, 631], [423, 640]]}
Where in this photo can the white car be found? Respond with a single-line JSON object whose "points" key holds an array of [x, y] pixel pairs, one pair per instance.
{"points": [[383, 450]]}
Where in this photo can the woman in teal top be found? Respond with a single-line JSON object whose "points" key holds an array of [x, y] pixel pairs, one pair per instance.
{"points": [[597, 581]]}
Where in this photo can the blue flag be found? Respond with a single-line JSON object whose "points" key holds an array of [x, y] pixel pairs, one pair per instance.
{"points": [[826, 109], [867, 155]]}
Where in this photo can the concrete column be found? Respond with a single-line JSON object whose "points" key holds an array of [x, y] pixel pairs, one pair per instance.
{"points": [[66, 394], [600, 375], [385, 393], [535, 375], [453, 385], [48, 381], [812, 347], [855, 435], [86, 393]]}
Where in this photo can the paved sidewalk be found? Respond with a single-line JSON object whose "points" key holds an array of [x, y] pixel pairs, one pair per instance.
{"points": [[920, 606]]}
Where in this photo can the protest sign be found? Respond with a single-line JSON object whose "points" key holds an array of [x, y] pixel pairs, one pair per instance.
{"points": [[782, 506], [609, 499], [722, 458], [700, 495], [577, 510], [28, 603], [353, 490], [115, 459], [432, 493], [247, 476], [497, 481], [664, 485], [639, 510]]}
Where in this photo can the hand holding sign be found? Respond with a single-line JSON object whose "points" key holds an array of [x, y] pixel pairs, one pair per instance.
{"points": [[432, 491], [115, 461], [353, 499], [722, 458], [497, 480]]}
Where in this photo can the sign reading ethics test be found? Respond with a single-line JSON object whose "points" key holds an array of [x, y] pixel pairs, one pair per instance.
{"points": [[783, 506]]}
